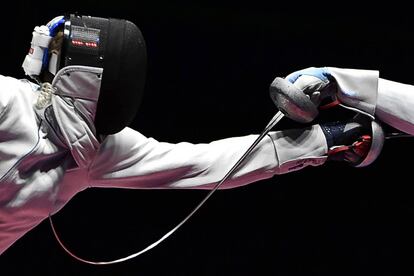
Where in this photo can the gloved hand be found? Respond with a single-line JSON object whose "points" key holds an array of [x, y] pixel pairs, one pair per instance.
{"points": [[300, 94], [325, 87], [317, 83]]}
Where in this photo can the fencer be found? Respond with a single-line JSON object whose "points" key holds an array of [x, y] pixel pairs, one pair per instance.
{"points": [[68, 131]]}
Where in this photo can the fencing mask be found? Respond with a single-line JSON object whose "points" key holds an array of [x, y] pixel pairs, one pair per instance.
{"points": [[115, 46]]}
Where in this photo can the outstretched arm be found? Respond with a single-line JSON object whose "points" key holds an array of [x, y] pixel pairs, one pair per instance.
{"points": [[130, 160]]}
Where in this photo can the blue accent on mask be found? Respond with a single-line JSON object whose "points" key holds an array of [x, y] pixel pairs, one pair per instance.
{"points": [[55, 27], [45, 59]]}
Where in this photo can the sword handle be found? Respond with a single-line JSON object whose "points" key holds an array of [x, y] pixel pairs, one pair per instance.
{"points": [[292, 102]]}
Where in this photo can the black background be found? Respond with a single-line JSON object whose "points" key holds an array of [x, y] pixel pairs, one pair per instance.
{"points": [[210, 65]]}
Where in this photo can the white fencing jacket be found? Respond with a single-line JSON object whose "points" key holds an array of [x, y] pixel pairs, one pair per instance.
{"points": [[39, 174]]}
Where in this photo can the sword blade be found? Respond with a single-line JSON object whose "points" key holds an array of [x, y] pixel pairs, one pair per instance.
{"points": [[393, 135]]}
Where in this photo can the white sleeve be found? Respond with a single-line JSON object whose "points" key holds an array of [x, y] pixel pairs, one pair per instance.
{"points": [[357, 89], [395, 105], [364, 91], [130, 160]]}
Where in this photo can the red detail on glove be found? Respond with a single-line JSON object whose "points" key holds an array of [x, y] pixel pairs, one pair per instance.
{"points": [[361, 147], [330, 105]]}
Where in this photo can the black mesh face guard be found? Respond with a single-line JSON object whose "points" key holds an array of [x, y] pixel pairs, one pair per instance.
{"points": [[118, 47]]}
